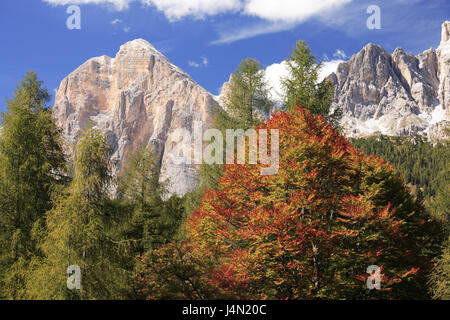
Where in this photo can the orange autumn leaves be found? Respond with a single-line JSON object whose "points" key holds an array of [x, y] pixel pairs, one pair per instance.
{"points": [[309, 231]]}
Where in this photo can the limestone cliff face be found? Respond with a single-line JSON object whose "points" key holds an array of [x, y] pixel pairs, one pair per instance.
{"points": [[398, 94], [443, 54], [137, 98]]}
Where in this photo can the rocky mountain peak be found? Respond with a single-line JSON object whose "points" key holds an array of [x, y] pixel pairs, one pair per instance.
{"points": [[139, 43], [445, 32], [142, 49], [373, 49], [443, 54], [137, 98], [398, 94]]}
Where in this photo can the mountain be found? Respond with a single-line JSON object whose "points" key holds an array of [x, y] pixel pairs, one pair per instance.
{"points": [[137, 98], [395, 94], [140, 98]]}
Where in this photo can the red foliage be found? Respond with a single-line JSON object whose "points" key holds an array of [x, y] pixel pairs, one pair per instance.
{"points": [[312, 229]]}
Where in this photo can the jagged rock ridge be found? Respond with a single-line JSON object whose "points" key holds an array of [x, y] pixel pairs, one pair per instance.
{"points": [[398, 94]]}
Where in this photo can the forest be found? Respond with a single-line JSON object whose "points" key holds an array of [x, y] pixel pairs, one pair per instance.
{"points": [[335, 207]]}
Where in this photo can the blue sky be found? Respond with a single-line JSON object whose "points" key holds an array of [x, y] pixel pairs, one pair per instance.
{"points": [[206, 38]]}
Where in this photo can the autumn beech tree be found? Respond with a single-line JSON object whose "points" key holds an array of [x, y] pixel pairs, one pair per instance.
{"points": [[312, 230]]}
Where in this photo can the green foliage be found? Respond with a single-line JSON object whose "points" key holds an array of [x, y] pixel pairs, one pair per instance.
{"points": [[132, 243], [424, 166], [31, 162], [301, 85], [439, 205], [139, 181], [79, 232], [247, 101], [440, 277], [150, 221], [147, 221], [246, 104], [174, 271], [309, 232]]}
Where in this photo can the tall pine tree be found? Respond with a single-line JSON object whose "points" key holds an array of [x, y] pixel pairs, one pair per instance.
{"points": [[81, 232], [31, 162], [302, 86], [247, 100]]}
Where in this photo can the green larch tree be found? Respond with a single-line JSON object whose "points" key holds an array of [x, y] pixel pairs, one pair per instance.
{"points": [[32, 163], [302, 86], [80, 232]]}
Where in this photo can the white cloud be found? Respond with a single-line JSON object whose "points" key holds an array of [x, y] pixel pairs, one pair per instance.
{"points": [[293, 11], [340, 54], [116, 21], [228, 35], [288, 11], [328, 67], [276, 72], [278, 15], [118, 4], [203, 63], [126, 29], [173, 9], [199, 9], [193, 64]]}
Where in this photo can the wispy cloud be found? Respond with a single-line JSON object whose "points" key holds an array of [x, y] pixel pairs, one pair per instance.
{"points": [[277, 16], [340, 54], [271, 16], [193, 64], [125, 28], [227, 35], [173, 9], [115, 21], [203, 63], [274, 16], [117, 4], [351, 20]]}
